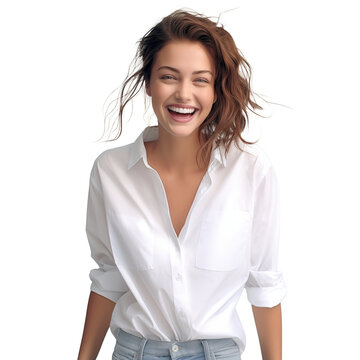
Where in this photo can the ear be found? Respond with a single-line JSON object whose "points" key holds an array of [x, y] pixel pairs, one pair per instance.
{"points": [[147, 88]]}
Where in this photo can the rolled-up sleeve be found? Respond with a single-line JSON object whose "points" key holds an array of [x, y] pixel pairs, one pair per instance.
{"points": [[265, 286], [106, 280]]}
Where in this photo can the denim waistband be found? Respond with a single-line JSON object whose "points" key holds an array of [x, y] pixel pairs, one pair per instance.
{"points": [[176, 348]]}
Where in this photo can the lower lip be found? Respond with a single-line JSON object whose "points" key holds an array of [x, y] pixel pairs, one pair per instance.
{"points": [[181, 118]]}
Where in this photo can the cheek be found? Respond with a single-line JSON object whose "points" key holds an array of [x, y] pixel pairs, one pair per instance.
{"points": [[160, 93], [158, 99], [208, 99]]}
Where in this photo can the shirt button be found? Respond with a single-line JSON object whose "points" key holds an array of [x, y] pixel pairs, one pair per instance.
{"points": [[175, 348], [178, 277]]}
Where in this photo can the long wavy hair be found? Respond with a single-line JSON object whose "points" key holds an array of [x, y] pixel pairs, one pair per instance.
{"points": [[229, 114]]}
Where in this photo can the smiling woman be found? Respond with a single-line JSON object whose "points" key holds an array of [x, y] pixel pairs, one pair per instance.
{"points": [[178, 237], [230, 77]]}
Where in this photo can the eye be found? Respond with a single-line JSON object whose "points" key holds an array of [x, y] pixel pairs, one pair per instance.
{"points": [[167, 77], [202, 80]]}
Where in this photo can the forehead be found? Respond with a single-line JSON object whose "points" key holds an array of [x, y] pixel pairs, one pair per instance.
{"points": [[184, 55]]}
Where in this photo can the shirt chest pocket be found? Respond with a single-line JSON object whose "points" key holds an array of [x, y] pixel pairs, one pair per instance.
{"points": [[224, 240], [132, 241]]}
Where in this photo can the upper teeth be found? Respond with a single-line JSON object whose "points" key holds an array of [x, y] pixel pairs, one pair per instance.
{"points": [[182, 110]]}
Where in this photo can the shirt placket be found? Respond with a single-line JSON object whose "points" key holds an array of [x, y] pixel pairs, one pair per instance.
{"points": [[180, 296]]}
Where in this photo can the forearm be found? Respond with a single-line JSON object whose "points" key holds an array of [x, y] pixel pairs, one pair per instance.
{"points": [[97, 323], [269, 328]]}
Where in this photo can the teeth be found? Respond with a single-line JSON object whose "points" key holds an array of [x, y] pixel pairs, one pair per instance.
{"points": [[181, 110]]}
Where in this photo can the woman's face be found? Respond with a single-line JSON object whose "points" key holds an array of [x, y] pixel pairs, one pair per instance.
{"points": [[182, 86]]}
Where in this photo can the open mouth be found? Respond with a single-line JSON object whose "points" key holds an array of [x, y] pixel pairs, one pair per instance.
{"points": [[181, 114]]}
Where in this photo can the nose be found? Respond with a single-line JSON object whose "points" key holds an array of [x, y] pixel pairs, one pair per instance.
{"points": [[183, 91]]}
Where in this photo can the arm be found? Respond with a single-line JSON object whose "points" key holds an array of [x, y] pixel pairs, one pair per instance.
{"points": [[97, 322], [269, 329], [107, 283], [265, 285]]}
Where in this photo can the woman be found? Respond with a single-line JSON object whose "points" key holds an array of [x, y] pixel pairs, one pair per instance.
{"points": [[186, 217]]}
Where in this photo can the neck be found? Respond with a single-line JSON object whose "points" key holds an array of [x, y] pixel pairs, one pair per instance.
{"points": [[176, 155]]}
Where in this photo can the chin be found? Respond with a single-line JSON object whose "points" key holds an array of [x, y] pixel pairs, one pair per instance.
{"points": [[182, 131]]}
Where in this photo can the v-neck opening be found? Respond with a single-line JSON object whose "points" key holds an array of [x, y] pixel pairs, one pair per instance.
{"points": [[195, 199], [214, 156], [165, 197]]}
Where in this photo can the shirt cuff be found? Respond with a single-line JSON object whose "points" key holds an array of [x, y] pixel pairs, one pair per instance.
{"points": [[108, 284], [265, 288]]}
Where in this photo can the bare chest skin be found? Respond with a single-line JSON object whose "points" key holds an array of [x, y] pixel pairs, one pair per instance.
{"points": [[180, 192]]}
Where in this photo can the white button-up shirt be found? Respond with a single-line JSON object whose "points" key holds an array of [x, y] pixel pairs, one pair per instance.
{"points": [[168, 287]]}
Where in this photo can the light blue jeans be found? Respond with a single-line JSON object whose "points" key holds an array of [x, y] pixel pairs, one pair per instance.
{"points": [[130, 347]]}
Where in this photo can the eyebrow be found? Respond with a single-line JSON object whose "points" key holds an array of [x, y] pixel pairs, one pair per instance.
{"points": [[177, 71]]}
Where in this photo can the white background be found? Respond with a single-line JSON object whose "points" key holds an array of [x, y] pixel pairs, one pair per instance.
{"points": [[59, 62]]}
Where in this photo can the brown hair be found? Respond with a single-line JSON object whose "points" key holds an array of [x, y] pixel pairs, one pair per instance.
{"points": [[229, 114]]}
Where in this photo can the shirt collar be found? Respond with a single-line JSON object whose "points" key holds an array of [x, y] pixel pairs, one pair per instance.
{"points": [[151, 133]]}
